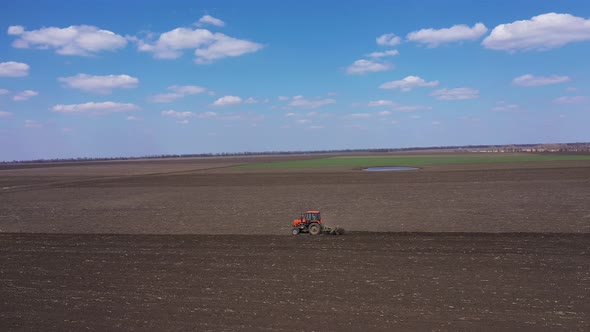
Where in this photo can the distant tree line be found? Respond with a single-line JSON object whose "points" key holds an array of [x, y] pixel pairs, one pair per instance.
{"points": [[560, 147]]}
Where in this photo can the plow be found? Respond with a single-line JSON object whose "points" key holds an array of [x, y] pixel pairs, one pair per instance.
{"points": [[311, 223]]}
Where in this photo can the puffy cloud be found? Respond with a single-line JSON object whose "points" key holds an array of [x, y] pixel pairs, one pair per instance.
{"points": [[410, 108], [175, 114], [383, 54], [408, 83], [250, 100], [177, 92], [185, 115], [225, 46], [302, 102], [33, 124], [542, 32], [502, 107], [360, 115], [385, 113], [435, 37], [24, 95], [206, 115], [82, 40], [4, 91], [13, 69], [571, 100], [208, 19], [208, 46], [376, 103], [456, 94], [99, 84], [364, 66], [95, 108], [531, 80], [227, 100], [4, 114], [388, 39]]}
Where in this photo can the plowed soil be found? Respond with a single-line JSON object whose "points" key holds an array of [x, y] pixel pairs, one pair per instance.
{"points": [[196, 244]]}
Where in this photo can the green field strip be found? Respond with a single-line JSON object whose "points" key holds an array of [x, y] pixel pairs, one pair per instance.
{"points": [[412, 161]]}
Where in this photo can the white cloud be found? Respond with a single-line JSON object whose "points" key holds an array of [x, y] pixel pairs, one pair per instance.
{"points": [[290, 115], [376, 103], [24, 95], [13, 69], [95, 108], [207, 46], [250, 100], [178, 91], [185, 115], [225, 46], [227, 100], [208, 19], [360, 115], [364, 66], [436, 123], [99, 84], [206, 115], [300, 101], [4, 91], [435, 37], [410, 108], [303, 121], [531, 80], [4, 114], [283, 98], [33, 124], [388, 39], [315, 127], [175, 114], [456, 94], [502, 107], [82, 40], [182, 122], [571, 100], [134, 118], [542, 32], [383, 54], [408, 83], [385, 113]]}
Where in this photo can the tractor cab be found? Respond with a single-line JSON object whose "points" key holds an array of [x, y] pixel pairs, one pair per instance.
{"points": [[311, 216]]}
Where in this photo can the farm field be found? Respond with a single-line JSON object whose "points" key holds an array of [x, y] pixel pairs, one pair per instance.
{"points": [[467, 242]]}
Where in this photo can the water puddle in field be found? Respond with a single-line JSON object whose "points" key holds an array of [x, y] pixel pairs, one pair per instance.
{"points": [[389, 168]]}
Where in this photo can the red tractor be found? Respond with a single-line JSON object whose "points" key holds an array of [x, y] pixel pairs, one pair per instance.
{"points": [[311, 222]]}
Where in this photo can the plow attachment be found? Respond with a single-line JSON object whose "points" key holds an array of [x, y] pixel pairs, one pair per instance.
{"points": [[332, 230]]}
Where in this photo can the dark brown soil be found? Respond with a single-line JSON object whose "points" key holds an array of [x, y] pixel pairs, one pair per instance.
{"points": [[504, 247], [356, 282]]}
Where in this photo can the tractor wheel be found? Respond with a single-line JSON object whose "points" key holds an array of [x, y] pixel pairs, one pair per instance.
{"points": [[295, 231], [315, 229]]}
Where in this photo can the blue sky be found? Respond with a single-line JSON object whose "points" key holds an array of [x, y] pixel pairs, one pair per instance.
{"points": [[116, 78]]}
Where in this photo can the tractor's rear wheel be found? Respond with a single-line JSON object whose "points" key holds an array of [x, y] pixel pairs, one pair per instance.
{"points": [[315, 229], [295, 231]]}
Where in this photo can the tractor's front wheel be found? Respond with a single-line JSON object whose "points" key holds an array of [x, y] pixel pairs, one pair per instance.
{"points": [[295, 231], [315, 229]]}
